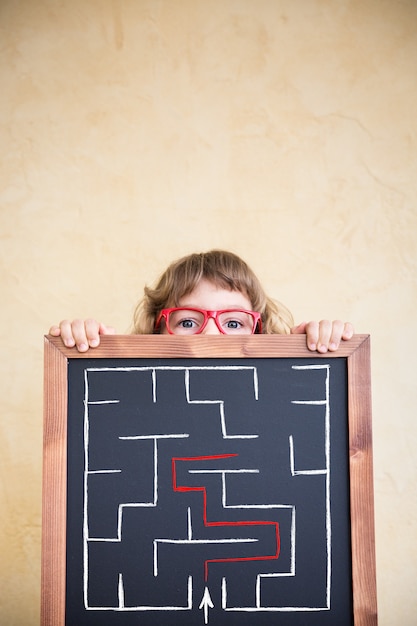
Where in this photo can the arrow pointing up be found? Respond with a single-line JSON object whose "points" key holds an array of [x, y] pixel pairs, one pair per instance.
{"points": [[206, 604]]}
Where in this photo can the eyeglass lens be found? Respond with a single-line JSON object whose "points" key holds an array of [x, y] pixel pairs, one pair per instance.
{"points": [[189, 322]]}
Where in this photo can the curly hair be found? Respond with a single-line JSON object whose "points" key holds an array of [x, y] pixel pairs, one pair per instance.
{"points": [[225, 270]]}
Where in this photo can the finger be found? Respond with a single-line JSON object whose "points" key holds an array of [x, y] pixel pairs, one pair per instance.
{"points": [[55, 331], [92, 333], [65, 331], [325, 333], [336, 335], [348, 331], [312, 332], [79, 335]]}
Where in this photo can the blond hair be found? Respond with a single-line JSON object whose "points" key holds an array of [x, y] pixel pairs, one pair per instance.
{"points": [[225, 270]]}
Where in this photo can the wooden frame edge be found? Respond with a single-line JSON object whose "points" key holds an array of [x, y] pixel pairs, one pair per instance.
{"points": [[361, 487], [203, 346], [54, 487]]}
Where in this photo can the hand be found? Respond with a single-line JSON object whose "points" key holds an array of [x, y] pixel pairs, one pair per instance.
{"points": [[325, 335], [83, 334]]}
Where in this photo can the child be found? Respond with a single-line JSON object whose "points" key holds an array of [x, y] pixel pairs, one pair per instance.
{"points": [[208, 293]]}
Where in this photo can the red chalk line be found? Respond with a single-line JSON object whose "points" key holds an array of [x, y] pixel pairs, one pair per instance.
{"points": [[183, 488]]}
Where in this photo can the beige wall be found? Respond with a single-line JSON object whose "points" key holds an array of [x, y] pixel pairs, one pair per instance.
{"points": [[135, 131]]}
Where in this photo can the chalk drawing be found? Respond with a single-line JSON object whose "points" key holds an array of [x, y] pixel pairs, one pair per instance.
{"points": [[190, 475]]}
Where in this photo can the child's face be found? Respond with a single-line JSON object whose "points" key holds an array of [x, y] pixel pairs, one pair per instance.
{"points": [[212, 298]]}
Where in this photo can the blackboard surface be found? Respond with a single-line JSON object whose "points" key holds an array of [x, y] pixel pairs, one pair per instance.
{"points": [[208, 491]]}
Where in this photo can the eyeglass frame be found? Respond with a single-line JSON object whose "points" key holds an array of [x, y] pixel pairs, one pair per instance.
{"points": [[165, 313]]}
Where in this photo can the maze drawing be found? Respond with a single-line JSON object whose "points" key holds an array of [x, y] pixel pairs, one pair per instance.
{"points": [[196, 513]]}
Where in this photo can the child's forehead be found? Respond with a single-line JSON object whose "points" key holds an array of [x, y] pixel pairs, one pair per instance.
{"points": [[208, 291], [211, 285]]}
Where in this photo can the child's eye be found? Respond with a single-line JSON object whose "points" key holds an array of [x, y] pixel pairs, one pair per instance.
{"points": [[236, 321], [187, 323], [234, 324]]}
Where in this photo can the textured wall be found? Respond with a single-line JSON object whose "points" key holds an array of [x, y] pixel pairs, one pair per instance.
{"points": [[135, 131]]}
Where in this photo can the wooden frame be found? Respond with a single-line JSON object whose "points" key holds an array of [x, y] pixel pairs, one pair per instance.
{"points": [[357, 353]]}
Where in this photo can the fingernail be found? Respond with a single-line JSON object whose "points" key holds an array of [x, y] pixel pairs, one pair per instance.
{"points": [[94, 343], [82, 347], [333, 346], [312, 346]]}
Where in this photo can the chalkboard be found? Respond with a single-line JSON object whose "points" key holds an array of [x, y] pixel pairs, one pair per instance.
{"points": [[207, 480]]}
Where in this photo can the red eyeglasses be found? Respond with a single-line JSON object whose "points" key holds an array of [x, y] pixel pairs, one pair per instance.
{"points": [[191, 321]]}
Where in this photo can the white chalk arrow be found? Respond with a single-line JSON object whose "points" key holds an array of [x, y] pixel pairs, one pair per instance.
{"points": [[206, 604]]}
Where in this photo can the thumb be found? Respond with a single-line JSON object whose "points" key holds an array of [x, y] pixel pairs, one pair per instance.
{"points": [[299, 330], [106, 330]]}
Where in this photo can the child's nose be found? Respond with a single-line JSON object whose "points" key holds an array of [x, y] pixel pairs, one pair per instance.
{"points": [[211, 328]]}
